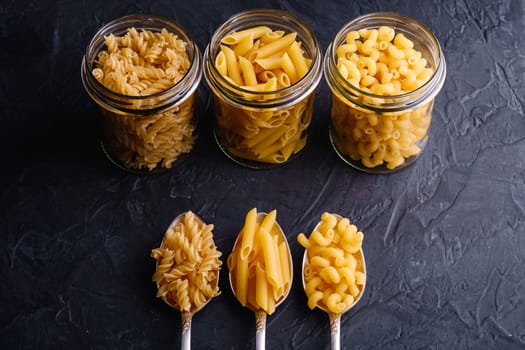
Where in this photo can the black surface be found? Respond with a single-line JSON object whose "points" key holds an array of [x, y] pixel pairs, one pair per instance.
{"points": [[445, 242]]}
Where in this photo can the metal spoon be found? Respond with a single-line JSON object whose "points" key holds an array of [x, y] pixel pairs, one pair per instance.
{"points": [[260, 315], [187, 316], [335, 319]]}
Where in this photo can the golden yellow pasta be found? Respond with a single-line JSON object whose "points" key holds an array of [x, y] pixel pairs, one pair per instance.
{"points": [[259, 263], [384, 63], [145, 63], [187, 264], [334, 275], [261, 60]]}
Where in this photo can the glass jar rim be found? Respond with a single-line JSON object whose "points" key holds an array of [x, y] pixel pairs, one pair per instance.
{"points": [[243, 20], [148, 22], [418, 96]]}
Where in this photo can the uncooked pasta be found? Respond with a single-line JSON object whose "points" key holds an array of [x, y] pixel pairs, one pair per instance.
{"points": [[187, 264], [139, 64]]}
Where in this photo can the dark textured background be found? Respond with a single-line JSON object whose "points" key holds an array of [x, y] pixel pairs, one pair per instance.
{"points": [[445, 242]]}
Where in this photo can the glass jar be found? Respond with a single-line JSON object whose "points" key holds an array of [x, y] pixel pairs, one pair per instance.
{"points": [[152, 127], [380, 129], [263, 129]]}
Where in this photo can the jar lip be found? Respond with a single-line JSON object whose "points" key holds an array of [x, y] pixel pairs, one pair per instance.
{"points": [[140, 19], [175, 87], [245, 19], [434, 83], [234, 87]]}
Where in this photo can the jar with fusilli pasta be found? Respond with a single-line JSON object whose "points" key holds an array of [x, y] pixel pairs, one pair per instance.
{"points": [[143, 72], [262, 66], [384, 71]]}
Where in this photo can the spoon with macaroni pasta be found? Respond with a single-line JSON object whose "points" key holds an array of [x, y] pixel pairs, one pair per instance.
{"points": [[334, 269], [187, 269], [260, 268]]}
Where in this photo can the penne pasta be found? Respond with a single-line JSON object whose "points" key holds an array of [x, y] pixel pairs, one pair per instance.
{"points": [[296, 55], [270, 63], [236, 37], [273, 61], [272, 36], [248, 234], [220, 63], [231, 64], [286, 272], [276, 46], [289, 67], [248, 73], [268, 270], [241, 278], [244, 45], [261, 288], [271, 261]]}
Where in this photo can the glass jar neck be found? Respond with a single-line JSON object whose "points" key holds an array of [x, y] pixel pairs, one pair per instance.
{"points": [[142, 105], [276, 20], [381, 103]]}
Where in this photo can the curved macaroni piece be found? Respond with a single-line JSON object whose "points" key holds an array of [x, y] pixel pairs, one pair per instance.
{"points": [[314, 298]]}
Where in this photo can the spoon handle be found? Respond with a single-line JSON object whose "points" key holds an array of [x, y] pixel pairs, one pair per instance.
{"points": [[335, 331], [260, 334], [186, 332]]}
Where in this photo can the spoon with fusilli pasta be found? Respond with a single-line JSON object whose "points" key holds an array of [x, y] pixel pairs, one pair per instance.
{"points": [[187, 269]]}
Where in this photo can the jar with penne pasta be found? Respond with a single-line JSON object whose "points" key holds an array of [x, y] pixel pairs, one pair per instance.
{"points": [[384, 71], [143, 72], [262, 67]]}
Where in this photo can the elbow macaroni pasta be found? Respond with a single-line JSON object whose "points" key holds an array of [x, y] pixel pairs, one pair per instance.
{"points": [[384, 63], [334, 275], [262, 61], [144, 63], [187, 264], [260, 264]]}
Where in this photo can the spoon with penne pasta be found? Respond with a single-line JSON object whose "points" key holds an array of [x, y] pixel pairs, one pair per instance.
{"points": [[187, 269], [333, 269], [260, 268]]}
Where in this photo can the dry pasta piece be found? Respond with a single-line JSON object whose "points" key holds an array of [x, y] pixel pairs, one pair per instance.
{"points": [[250, 225], [333, 277], [187, 264], [384, 63], [260, 267], [274, 60]]}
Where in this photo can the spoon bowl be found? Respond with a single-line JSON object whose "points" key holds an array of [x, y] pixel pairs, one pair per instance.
{"points": [[186, 315], [260, 314], [335, 318]]}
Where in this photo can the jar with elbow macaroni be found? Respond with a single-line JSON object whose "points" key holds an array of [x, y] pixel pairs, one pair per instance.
{"points": [[143, 72], [384, 71], [262, 67]]}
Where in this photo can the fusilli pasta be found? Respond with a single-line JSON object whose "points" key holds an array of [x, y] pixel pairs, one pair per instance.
{"points": [[187, 264], [145, 63]]}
